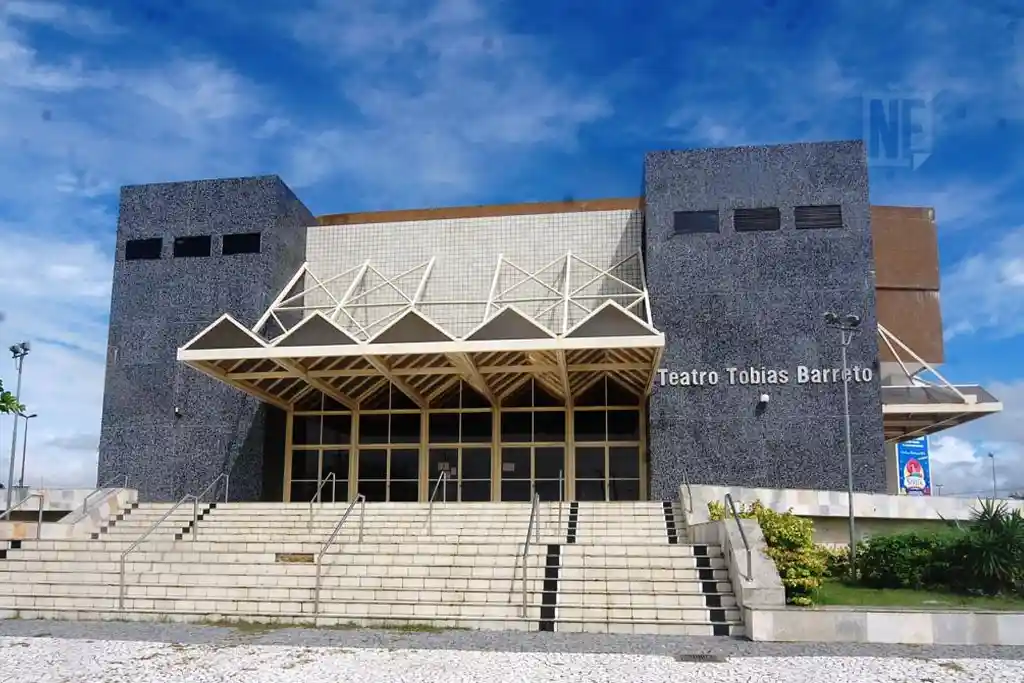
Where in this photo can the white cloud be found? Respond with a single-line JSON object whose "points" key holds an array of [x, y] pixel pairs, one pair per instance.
{"points": [[960, 456], [473, 102], [984, 292]]}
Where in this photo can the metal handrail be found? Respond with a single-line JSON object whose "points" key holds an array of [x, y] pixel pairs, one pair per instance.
{"points": [[199, 498], [561, 499], [316, 496], [689, 492], [103, 487], [42, 501], [361, 499], [743, 535], [530, 530], [433, 494], [227, 482], [151, 529]]}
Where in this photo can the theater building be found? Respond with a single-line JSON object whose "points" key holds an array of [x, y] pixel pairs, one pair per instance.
{"points": [[586, 350]]}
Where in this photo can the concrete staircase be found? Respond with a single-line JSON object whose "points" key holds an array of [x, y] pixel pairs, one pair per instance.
{"points": [[593, 567]]}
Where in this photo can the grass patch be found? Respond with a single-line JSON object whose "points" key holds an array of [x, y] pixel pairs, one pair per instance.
{"points": [[838, 593]]}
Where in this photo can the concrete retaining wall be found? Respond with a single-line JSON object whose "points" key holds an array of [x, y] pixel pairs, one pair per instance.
{"points": [[877, 625]]}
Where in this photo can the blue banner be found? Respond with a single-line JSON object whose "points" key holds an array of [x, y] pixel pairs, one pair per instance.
{"points": [[915, 470]]}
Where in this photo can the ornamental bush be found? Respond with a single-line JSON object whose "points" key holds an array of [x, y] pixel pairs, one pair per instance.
{"points": [[985, 556], [790, 540]]}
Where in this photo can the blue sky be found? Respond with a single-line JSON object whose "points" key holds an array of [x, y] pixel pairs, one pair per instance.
{"points": [[380, 105]]}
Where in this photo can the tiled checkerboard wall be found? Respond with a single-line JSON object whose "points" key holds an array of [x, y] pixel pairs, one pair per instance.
{"points": [[466, 252]]}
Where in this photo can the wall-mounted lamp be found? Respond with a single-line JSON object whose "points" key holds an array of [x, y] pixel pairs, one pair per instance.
{"points": [[763, 400], [177, 412]]}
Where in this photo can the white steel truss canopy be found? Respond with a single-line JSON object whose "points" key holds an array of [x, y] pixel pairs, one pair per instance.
{"points": [[350, 335], [921, 407]]}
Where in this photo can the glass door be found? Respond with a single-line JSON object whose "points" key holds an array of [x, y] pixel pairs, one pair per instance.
{"points": [[469, 474], [526, 469], [389, 474], [311, 467]]}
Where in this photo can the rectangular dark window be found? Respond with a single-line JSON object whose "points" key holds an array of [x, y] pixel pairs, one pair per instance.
{"points": [[241, 243], [825, 217], [692, 222], [192, 246], [143, 250], [756, 220]]}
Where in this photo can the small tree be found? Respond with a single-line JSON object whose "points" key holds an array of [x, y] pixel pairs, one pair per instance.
{"points": [[8, 404]]}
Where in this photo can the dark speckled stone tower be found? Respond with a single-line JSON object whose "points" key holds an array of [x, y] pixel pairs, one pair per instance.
{"points": [[158, 304], [756, 299]]}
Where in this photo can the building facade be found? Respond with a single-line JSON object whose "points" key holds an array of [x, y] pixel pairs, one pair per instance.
{"points": [[601, 350]]}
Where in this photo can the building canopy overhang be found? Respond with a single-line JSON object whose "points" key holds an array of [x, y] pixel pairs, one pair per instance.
{"points": [[918, 406], [317, 339]]}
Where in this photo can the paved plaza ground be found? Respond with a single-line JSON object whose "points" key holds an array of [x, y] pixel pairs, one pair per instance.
{"points": [[73, 652]]}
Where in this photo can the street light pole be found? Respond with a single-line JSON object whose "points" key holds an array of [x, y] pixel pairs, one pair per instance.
{"points": [[19, 351], [992, 457], [846, 325], [24, 450]]}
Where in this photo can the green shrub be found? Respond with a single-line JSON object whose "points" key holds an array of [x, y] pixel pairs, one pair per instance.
{"points": [[906, 560], [837, 561], [790, 541], [985, 556]]}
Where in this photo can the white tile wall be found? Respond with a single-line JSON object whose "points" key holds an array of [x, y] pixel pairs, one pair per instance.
{"points": [[466, 252]]}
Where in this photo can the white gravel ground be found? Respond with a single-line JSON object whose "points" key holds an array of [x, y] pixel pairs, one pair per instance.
{"points": [[51, 660]]}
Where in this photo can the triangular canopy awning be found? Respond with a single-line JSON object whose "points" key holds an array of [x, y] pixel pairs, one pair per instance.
{"points": [[422, 360]]}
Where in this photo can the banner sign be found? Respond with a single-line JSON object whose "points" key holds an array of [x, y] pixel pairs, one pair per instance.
{"points": [[915, 470]]}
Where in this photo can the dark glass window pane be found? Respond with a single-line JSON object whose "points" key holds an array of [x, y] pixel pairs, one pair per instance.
{"points": [[472, 399], [440, 460], [405, 491], [475, 491], [143, 250], [476, 463], [190, 247], [241, 243], [375, 491], [548, 462], [337, 462], [405, 463], [337, 429], [515, 490], [516, 427], [449, 399], [378, 400], [521, 398], [306, 431], [373, 428], [548, 490], [589, 489], [619, 489], [399, 401], [623, 425], [542, 398], [444, 428], [624, 462], [589, 425], [828, 217], [476, 427], [330, 405], [305, 464], [619, 395], [515, 463], [373, 464], [549, 426], [303, 491], [405, 428], [589, 462], [594, 395], [755, 220], [692, 222]]}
